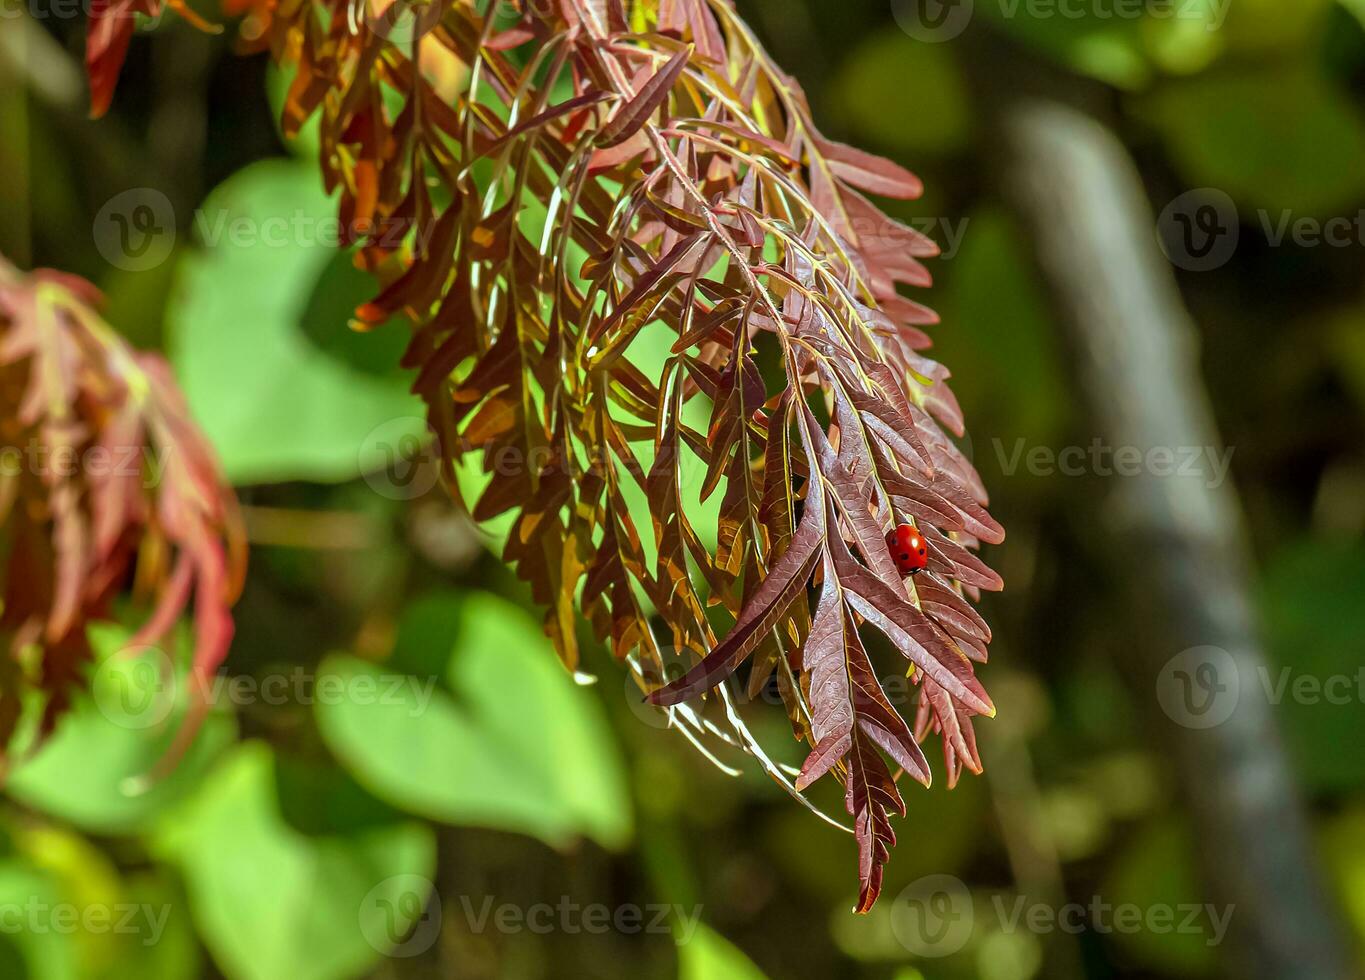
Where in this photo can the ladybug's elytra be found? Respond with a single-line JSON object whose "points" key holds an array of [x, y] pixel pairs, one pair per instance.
{"points": [[908, 549]]}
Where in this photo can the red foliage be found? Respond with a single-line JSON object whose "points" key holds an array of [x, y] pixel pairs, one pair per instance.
{"points": [[683, 182], [105, 483]]}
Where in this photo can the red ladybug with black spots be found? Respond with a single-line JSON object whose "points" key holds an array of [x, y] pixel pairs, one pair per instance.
{"points": [[908, 549]]}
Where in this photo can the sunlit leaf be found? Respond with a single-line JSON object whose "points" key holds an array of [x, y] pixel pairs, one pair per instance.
{"points": [[100, 769], [707, 955], [1275, 138], [271, 899], [454, 745], [275, 405]]}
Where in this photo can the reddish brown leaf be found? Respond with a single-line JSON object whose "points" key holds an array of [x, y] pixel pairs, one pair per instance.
{"points": [[631, 117]]}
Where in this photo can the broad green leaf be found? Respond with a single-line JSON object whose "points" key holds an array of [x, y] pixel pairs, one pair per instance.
{"points": [[175, 953], [307, 145], [114, 926], [276, 404], [707, 955], [1273, 138], [33, 954], [96, 770], [272, 900], [491, 731], [330, 307], [85, 880]]}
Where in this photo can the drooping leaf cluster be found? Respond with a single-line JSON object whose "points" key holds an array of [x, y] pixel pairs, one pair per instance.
{"points": [[567, 177], [106, 488]]}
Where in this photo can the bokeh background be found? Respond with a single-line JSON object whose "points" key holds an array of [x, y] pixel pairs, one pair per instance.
{"points": [[398, 780]]}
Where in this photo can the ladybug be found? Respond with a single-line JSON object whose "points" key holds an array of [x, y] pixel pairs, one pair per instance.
{"points": [[908, 549]]}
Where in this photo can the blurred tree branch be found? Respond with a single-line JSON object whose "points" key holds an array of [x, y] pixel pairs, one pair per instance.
{"points": [[1181, 544]]}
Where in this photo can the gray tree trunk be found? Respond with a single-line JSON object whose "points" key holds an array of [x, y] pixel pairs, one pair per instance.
{"points": [[1181, 542]]}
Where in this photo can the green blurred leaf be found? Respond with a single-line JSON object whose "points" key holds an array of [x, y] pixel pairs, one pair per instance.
{"points": [[510, 743], [1343, 851], [175, 954], [1274, 27], [1314, 620], [308, 144], [272, 901], [1275, 138], [707, 955], [953, 819], [114, 926], [930, 112], [277, 405], [1126, 51], [1346, 341], [338, 291], [135, 302], [32, 954], [93, 772], [999, 339], [1156, 869]]}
